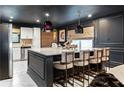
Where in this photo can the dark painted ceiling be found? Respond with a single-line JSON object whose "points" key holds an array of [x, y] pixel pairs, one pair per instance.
{"points": [[59, 14]]}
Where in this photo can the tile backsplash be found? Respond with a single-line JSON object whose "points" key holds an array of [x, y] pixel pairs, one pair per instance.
{"points": [[26, 42]]}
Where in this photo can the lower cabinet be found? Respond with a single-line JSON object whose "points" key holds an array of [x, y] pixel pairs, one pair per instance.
{"points": [[16, 53], [24, 53]]}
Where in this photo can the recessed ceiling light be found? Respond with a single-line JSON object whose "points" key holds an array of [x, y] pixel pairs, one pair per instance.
{"points": [[11, 17], [37, 20], [90, 15], [10, 20], [47, 14]]}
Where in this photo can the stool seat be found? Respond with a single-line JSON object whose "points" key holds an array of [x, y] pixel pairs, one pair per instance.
{"points": [[105, 58], [81, 63], [95, 60], [62, 66]]}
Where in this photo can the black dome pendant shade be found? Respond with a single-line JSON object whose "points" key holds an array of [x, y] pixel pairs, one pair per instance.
{"points": [[48, 25], [79, 28]]}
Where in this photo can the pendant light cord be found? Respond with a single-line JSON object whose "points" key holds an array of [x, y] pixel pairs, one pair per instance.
{"points": [[79, 17], [46, 18]]}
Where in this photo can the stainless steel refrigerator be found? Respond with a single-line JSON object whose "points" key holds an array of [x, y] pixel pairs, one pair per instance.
{"points": [[5, 51]]}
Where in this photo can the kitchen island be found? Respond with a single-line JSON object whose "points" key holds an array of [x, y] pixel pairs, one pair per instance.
{"points": [[40, 64]]}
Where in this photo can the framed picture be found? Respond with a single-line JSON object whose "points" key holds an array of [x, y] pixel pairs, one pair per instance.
{"points": [[62, 35]]}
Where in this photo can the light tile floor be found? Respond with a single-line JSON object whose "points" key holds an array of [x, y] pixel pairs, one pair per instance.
{"points": [[76, 83], [20, 77], [118, 72]]}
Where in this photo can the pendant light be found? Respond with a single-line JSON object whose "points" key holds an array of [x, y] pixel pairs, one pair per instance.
{"points": [[79, 28], [47, 23]]}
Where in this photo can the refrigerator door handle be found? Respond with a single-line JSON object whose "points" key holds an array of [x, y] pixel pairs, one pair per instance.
{"points": [[10, 52]]}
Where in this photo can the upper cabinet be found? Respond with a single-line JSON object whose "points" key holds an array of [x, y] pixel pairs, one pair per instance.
{"points": [[26, 33], [88, 32]]}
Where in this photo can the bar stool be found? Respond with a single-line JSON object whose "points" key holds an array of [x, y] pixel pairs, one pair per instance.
{"points": [[82, 62], [106, 57], [96, 58], [66, 63]]}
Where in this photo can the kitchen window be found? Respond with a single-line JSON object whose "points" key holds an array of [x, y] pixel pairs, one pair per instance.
{"points": [[83, 43]]}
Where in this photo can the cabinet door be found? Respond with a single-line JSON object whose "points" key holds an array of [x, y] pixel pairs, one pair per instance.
{"points": [[23, 33], [26, 33], [16, 53], [29, 33], [36, 38]]}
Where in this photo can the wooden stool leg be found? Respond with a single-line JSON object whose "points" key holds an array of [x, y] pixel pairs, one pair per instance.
{"points": [[109, 65], [78, 71], [73, 76], [83, 77], [88, 74], [97, 67], [73, 71], [106, 66], [103, 66], [66, 76]]}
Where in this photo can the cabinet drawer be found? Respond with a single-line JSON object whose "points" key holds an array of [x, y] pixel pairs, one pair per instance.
{"points": [[26, 33]]}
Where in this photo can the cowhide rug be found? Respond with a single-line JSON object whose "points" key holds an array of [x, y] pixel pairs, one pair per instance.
{"points": [[105, 80]]}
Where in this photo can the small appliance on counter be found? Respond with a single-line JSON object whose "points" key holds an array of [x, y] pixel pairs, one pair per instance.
{"points": [[54, 45]]}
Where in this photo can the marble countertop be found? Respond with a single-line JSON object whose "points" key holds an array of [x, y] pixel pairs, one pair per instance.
{"points": [[48, 51], [53, 51]]}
